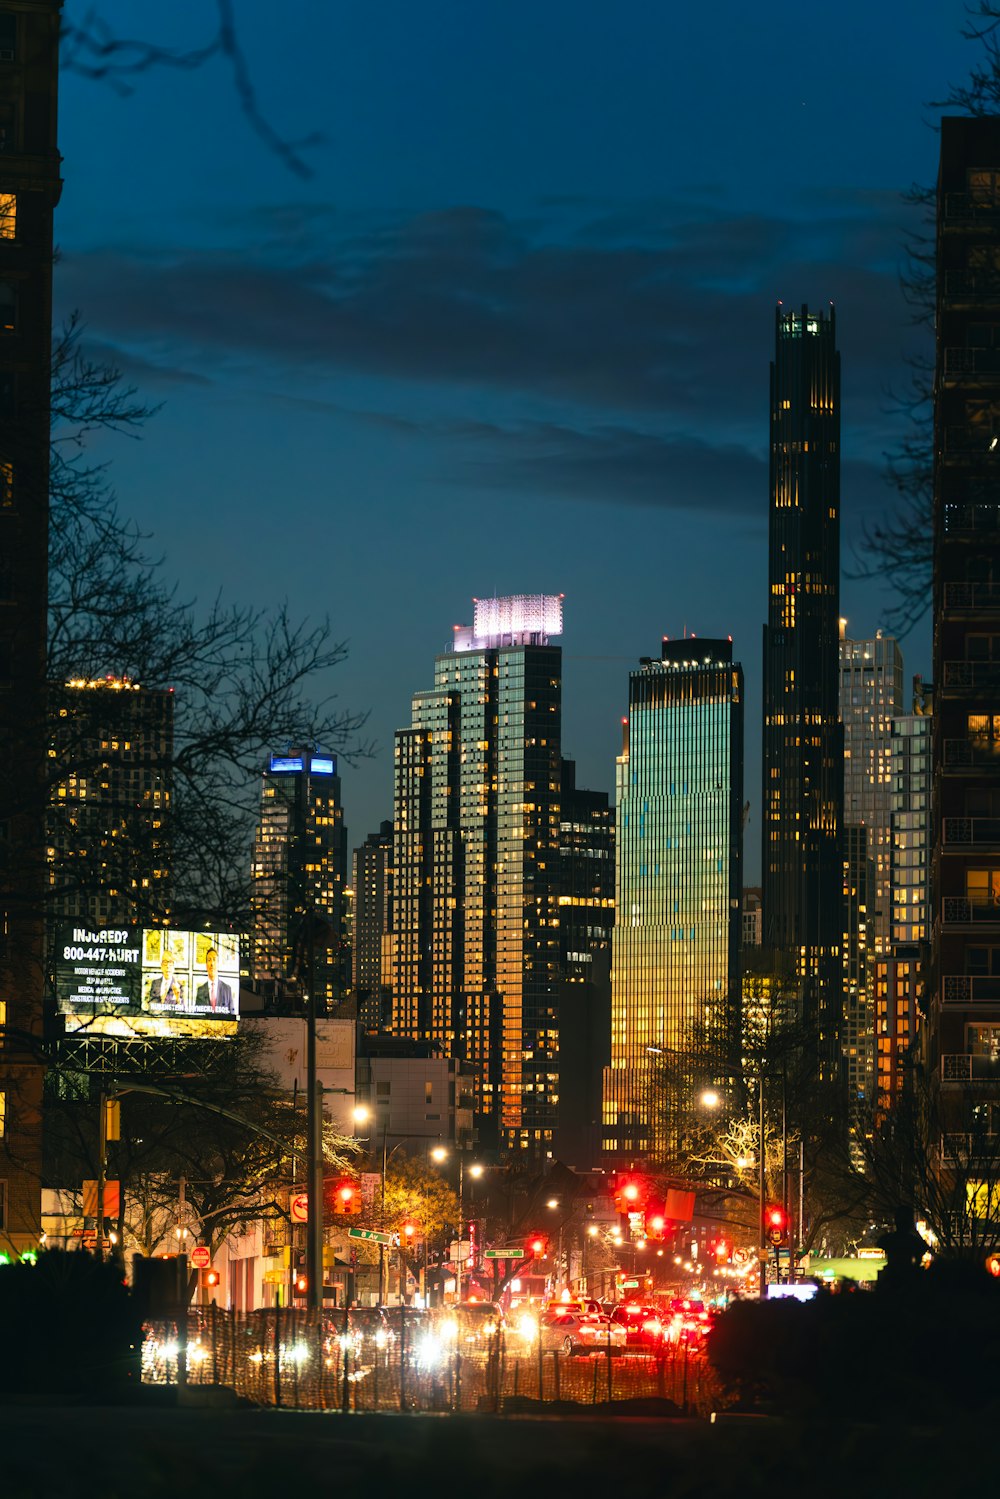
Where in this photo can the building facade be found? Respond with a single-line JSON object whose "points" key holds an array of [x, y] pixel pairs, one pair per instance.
{"points": [[678, 879], [586, 922], [871, 698], [964, 990], [803, 780], [476, 912], [29, 190], [371, 881], [108, 820], [900, 983], [298, 875]]}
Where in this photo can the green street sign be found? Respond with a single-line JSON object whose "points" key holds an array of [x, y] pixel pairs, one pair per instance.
{"points": [[504, 1254], [370, 1235]]}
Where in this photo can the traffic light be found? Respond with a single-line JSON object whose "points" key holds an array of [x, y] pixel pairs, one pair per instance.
{"points": [[409, 1232], [630, 1195], [723, 1251], [776, 1223], [656, 1226], [210, 1279], [538, 1245], [301, 1283], [347, 1198]]}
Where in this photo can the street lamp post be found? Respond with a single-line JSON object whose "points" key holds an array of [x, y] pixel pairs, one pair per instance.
{"points": [[439, 1154]]}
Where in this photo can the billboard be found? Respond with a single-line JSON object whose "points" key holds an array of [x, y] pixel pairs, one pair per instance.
{"points": [[147, 981]]}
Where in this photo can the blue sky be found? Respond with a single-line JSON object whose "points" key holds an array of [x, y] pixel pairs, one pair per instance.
{"points": [[512, 333]]}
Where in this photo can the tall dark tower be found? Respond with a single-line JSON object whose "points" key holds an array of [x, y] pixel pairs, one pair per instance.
{"points": [[29, 191], [964, 990], [803, 742]]}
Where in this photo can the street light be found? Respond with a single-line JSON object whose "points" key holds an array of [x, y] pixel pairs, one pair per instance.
{"points": [[440, 1154]]}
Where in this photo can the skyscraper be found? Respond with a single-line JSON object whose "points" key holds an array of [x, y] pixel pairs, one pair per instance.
{"points": [[965, 878], [477, 865], [108, 821], [678, 877], [871, 693], [29, 190], [803, 746], [372, 882], [298, 876], [901, 976], [586, 920]]}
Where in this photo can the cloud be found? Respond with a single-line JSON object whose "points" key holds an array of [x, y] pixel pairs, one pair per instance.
{"points": [[619, 465], [674, 318], [607, 352]]}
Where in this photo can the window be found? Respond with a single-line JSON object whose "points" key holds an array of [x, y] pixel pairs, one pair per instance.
{"points": [[8, 215], [982, 886], [3, 1114], [8, 307], [3, 1206]]}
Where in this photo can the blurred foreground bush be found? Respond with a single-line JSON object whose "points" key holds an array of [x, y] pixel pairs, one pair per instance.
{"points": [[921, 1353], [69, 1328]]}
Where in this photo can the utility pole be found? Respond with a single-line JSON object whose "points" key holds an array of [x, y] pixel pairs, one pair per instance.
{"points": [[314, 1150], [762, 1249]]}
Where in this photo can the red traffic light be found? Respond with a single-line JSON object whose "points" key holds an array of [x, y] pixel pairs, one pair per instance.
{"points": [[723, 1250], [630, 1195], [538, 1244], [776, 1221], [347, 1197], [301, 1285], [409, 1231]]}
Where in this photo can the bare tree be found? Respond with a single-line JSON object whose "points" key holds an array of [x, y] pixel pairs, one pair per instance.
{"points": [[92, 49]]}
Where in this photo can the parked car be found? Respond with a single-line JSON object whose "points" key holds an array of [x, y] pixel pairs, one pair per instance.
{"points": [[580, 1332]]}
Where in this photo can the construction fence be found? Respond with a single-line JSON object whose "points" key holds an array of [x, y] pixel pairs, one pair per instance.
{"points": [[285, 1358]]}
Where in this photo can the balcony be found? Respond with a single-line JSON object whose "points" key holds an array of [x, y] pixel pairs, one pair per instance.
{"points": [[961, 1067], [979, 363], [978, 288], [974, 832], [970, 990], [968, 1150], [971, 754], [962, 210], [977, 597], [970, 518], [970, 678], [958, 910], [974, 441]]}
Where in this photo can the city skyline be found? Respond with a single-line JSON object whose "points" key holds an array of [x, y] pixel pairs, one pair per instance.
{"points": [[375, 378]]}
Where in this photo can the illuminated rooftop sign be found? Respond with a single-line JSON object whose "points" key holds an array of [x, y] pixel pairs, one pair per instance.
{"points": [[318, 765], [514, 619]]}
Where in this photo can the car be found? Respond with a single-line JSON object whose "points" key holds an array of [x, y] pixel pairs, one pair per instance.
{"points": [[471, 1324], [644, 1325], [579, 1332], [689, 1322], [584, 1304]]}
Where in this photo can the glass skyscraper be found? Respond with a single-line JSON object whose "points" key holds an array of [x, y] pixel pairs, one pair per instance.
{"points": [[477, 837], [678, 864], [803, 776], [871, 698], [298, 873]]}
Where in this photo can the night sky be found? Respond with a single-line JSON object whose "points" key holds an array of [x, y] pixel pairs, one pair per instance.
{"points": [[512, 334]]}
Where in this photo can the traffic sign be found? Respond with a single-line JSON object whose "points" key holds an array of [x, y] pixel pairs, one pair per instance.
{"points": [[200, 1257], [298, 1207], [511, 1253], [371, 1235]]}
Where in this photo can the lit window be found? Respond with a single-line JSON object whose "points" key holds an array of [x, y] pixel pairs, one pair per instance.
{"points": [[8, 216]]}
